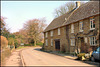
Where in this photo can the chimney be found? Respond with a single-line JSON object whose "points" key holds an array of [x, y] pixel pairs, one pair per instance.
{"points": [[77, 4]]}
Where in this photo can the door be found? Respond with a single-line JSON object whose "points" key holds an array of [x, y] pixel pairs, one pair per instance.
{"points": [[57, 45], [83, 49]]}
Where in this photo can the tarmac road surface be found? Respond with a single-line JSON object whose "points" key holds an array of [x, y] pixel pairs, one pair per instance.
{"points": [[34, 57]]}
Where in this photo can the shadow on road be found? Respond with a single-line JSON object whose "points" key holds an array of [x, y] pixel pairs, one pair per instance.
{"points": [[37, 49]]}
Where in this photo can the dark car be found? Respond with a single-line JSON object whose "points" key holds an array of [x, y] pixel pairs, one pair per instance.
{"points": [[96, 54]]}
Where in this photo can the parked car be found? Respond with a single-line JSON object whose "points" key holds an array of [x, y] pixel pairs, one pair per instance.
{"points": [[96, 54]]}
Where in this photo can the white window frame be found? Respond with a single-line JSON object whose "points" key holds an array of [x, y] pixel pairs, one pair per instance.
{"points": [[92, 41], [51, 42], [72, 28], [91, 23], [58, 31], [46, 42], [81, 26], [85, 38], [51, 33], [72, 42], [46, 34]]}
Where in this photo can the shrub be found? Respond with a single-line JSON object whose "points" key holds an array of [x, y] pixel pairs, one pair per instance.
{"points": [[40, 44], [27, 44], [4, 42], [11, 41]]}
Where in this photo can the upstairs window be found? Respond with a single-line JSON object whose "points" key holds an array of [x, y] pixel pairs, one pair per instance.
{"points": [[92, 23], [72, 42], [72, 28], [81, 26], [51, 42], [58, 31], [51, 33], [92, 41], [46, 42], [46, 35]]}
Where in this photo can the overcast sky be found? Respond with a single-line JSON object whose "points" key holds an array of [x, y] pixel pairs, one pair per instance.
{"points": [[18, 12]]}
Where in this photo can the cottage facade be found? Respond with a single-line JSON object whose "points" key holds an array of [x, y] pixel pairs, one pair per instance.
{"points": [[77, 30]]}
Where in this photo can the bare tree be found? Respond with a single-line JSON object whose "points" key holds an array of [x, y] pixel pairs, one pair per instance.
{"points": [[34, 28], [65, 8]]}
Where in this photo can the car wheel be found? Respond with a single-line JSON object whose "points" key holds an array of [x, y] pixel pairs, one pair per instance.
{"points": [[92, 59]]}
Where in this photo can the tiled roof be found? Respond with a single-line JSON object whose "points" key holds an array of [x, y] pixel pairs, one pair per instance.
{"points": [[57, 22], [84, 11]]}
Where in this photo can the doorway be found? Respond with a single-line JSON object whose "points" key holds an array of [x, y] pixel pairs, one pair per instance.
{"points": [[57, 45], [83, 47]]}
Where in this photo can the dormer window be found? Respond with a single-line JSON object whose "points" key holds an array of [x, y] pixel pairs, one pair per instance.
{"points": [[51, 33], [92, 23], [81, 26]]}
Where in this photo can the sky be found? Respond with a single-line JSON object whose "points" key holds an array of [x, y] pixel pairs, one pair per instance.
{"points": [[18, 12]]}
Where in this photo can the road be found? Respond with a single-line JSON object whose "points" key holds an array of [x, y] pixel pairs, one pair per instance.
{"points": [[34, 57]]}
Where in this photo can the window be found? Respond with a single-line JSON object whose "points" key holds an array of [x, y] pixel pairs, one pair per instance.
{"points": [[46, 34], [58, 31], [81, 26], [51, 33], [51, 42], [92, 24], [92, 41], [72, 42], [72, 28], [46, 42], [85, 39]]}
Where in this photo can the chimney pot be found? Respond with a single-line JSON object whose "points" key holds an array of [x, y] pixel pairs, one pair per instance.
{"points": [[77, 4]]}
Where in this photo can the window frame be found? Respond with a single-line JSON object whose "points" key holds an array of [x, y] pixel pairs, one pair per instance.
{"points": [[72, 42], [85, 39], [81, 26], [72, 28], [92, 24], [93, 41], [59, 31], [51, 42], [46, 42], [51, 33], [46, 34]]}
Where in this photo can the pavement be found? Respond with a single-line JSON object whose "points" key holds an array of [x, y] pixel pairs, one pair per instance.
{"points": [[14, 59], [65, 55], [96, 63]]}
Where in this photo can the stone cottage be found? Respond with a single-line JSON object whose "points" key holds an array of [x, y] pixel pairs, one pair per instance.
{"points": [[77, 30]]}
